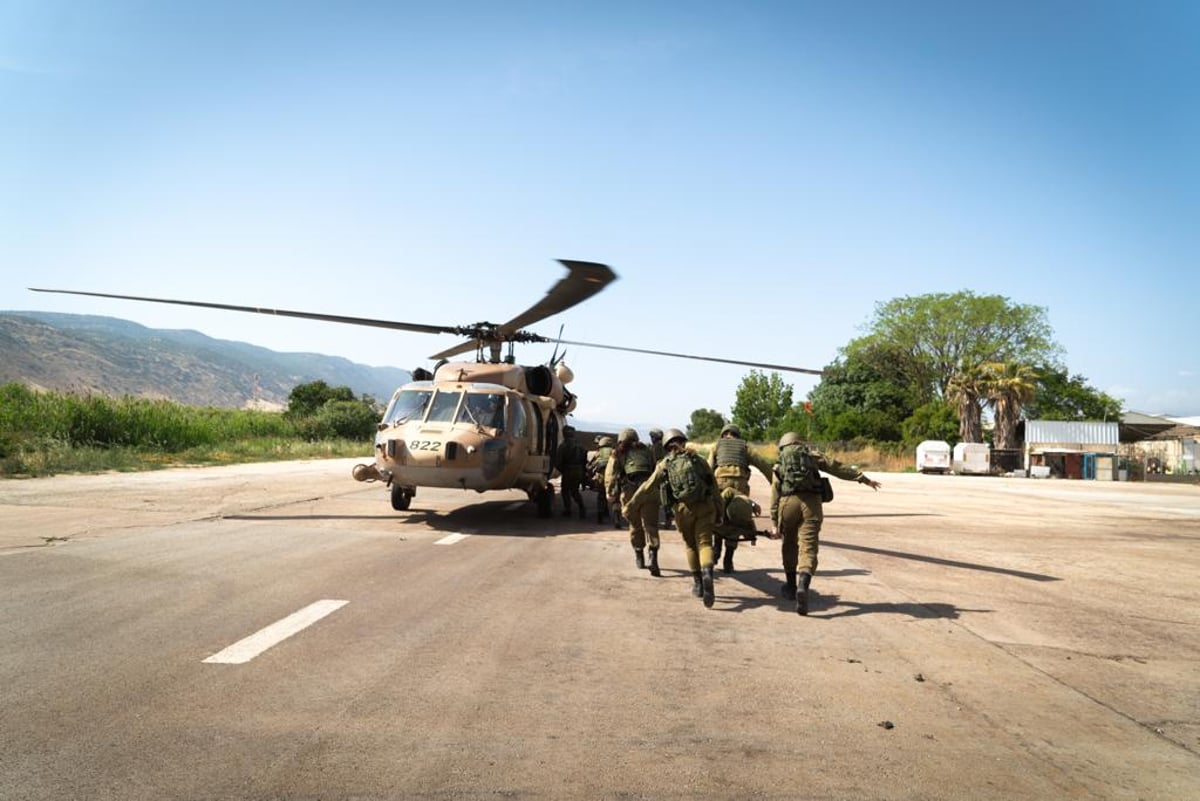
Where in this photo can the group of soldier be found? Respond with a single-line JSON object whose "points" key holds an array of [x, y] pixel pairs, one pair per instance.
{"points": [[702, 497]]}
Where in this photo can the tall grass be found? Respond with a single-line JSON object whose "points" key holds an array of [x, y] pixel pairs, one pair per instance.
{"points": [[48, 432]]}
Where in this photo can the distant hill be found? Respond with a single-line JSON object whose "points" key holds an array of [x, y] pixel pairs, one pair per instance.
{"points": [[104, 355]]}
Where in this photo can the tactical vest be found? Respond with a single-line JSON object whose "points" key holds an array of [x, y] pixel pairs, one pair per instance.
{"points": [[797, 471], [685, 479], [638, 462], [599, 462], [732, 452]]}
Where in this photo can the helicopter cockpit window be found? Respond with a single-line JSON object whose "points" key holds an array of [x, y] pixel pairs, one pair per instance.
{"points": [[409, 404], [444, 405], [483, 409]]}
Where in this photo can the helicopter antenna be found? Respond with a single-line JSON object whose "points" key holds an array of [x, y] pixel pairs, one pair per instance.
{"points": [[554, 357]]}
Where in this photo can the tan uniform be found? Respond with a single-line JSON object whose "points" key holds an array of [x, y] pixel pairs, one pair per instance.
{"points": [[695, 520], [627, 469], [798, 516]]}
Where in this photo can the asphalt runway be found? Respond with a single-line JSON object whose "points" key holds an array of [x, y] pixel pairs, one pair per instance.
{"points": [[278, 632]]}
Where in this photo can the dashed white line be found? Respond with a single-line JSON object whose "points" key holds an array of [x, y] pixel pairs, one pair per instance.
{"points": [[450, 539], [246, 649]]}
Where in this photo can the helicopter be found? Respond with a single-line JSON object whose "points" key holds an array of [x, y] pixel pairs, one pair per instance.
{"points": [[486, 424]]}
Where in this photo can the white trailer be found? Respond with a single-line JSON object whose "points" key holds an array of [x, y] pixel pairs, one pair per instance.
{"points": [[972, 459], [933, 456]]}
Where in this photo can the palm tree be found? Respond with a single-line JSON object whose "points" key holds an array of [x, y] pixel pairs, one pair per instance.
{"points": [[1009, 387], [966, 390]]}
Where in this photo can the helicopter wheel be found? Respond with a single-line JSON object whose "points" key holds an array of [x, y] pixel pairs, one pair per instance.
{"points": [[545, 501], [401, 498]]}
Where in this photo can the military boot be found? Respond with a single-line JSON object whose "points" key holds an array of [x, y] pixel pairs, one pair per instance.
{"points": [[640, 557], [697, 584], [802, 593], [718, 544], [727, 562], [706, 581], [654, 571], [788, 589]]}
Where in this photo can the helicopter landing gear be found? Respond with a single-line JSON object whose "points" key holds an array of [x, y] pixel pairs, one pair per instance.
{"points": [[545, 501], [402, 497]]}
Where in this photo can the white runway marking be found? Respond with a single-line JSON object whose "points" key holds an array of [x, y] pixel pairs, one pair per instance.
{"points": [[246, 649], [450, 539]]}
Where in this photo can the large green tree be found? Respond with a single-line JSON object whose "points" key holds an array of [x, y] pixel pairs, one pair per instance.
{"points": [[760, 403], [858, 399], [924, 341]]}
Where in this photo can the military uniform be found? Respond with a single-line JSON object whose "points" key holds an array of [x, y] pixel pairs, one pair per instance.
{"points": [[731, 459], [659, 450], [632, 463], [596, 468], [797, 510], [572, 461], [694, 517]]}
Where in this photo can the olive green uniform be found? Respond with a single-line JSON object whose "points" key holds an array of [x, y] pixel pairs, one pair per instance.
{"points": [[798, 516], [596, 469], [627, 469], [695, 520], [572, 461], [731, 459]]}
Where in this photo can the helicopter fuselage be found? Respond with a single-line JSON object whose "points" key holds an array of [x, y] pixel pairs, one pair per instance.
{"points": [[475, 426]]}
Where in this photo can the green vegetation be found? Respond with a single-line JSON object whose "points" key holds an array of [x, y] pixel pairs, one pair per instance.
{"points": [[929, 367], [43, 433]]}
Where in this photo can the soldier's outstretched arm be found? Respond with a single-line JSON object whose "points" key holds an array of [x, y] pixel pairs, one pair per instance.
{"points": [[648, 487]]}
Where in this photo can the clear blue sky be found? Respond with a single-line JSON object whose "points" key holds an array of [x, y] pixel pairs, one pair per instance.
{"points": [[760, 175]]}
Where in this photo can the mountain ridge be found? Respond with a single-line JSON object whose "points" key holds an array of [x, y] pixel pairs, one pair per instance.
{"points": [[114, 357]]}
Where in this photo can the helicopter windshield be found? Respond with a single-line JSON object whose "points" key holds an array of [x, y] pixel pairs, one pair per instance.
{"points": [[409, 404], [483, 409], [445, 404]]}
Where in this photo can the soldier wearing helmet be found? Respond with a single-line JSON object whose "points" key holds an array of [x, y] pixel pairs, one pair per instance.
{"points": [[797, 495], [595, 470], [656, 445], [731, 459], [632, 463], [571, 459], [692, 491]]}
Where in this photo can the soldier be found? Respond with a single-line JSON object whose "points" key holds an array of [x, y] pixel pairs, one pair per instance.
{"points": [[796, 508], [595, 470], [631, 464], [572, 461], [692, 492], [731, 459], [656, 445]]}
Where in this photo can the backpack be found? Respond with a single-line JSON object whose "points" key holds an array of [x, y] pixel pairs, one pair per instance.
{"points": [[684, 479], [798, 472]]}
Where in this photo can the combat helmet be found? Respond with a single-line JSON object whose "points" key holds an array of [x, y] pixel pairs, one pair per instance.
{"points": [[790, 438], [673, 434], [730, 428], [627, 435], [605, 442], [656, 434]]}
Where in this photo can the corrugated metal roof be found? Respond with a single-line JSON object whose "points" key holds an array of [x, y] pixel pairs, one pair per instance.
{"points": [[1083, 432]]}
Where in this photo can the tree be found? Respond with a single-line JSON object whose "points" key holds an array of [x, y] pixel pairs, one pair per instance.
{"points": [[306, 399], [857, 399], [936, 345], [925, 341], [1009, 386], [1058, 396], [760, 403], [934, 420], [966, 390], [705, 425]]}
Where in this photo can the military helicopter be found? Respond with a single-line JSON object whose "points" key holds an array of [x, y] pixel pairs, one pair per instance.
{"points": [[486, 424]]}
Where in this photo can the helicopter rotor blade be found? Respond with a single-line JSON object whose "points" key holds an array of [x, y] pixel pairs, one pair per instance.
{"points": [[584, 279], [764, 365], [329, 318]]}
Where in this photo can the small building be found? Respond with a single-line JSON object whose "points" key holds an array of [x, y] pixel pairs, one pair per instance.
{"points": [[1083, 449], [933, 456]]}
